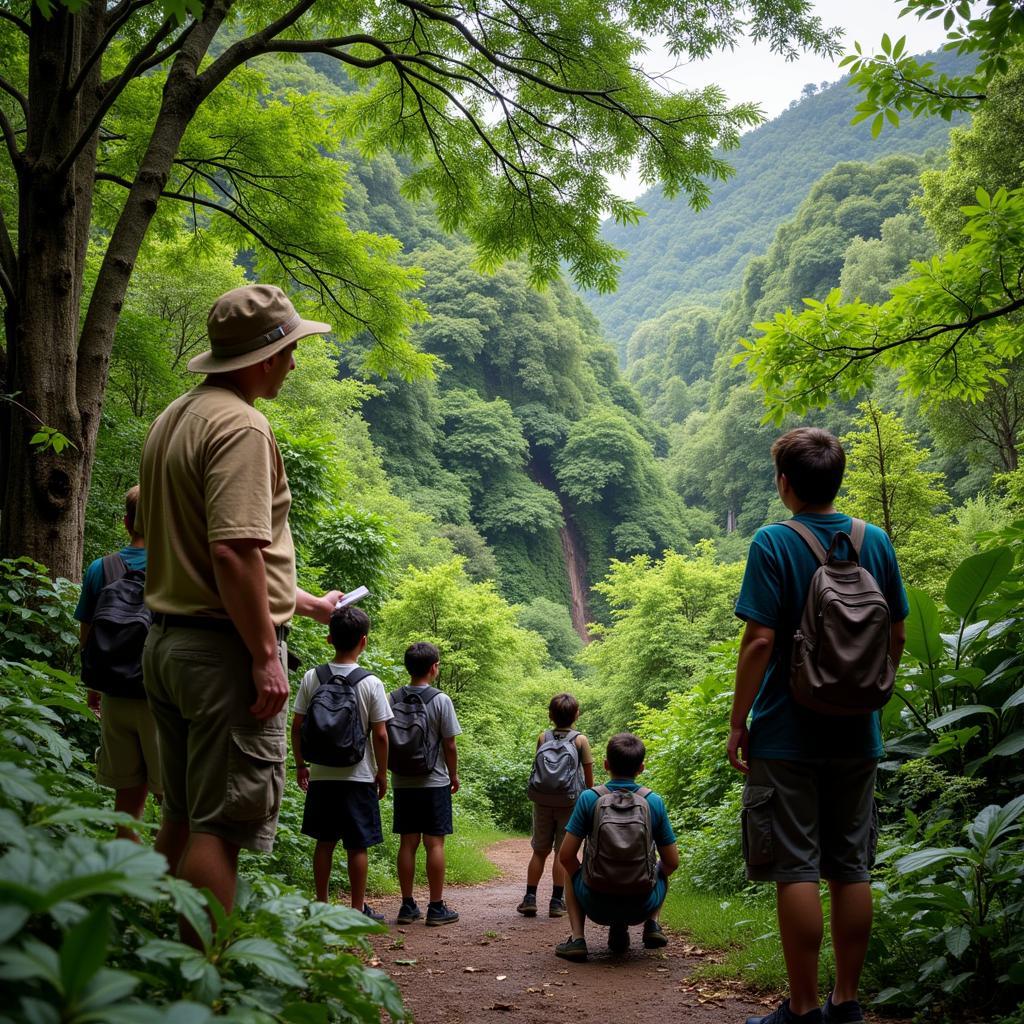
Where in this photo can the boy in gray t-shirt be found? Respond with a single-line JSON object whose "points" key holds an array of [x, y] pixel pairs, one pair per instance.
{"points": [[424, 775]]}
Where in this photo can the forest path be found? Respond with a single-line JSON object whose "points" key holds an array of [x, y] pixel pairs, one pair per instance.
{"points": [[515, 974]]}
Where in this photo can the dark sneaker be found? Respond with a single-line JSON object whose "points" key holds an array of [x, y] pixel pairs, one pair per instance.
{"points": [[618, 938], [441, 915], [841, 1013], [557, 908], [408, 913], [654, 937], [784, 1015], [372, 914], [528, 908], [572, 949]]}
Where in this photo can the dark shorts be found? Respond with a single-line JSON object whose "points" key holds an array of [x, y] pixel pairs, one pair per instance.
{"points": [[806, 820], [427, 811], [348, 812], [607, 909]]}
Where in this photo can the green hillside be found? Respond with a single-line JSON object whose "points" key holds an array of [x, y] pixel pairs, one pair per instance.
{"points": [[677, 256]]}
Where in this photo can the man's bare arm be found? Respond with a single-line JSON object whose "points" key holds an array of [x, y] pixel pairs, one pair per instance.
{"points": [[379, 737], [318, 608], [568, 854], [897, 641], [669, 857], [755, 652], [301, 768]]}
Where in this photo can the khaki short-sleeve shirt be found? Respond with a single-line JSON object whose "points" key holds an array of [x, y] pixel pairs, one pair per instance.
{"points": [[211, 470]]}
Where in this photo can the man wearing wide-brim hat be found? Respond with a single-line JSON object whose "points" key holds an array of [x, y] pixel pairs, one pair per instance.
{"points": [[213, 507]]}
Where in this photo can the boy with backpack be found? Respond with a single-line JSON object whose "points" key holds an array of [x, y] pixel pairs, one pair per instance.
{"points": [[562, 768], [424, 767], [114, 623], [629, 853], [340, 743], [824, 606]]}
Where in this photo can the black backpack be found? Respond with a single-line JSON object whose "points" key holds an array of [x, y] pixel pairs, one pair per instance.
{"points": [[333, 734], [410, 751], [112, 656]]}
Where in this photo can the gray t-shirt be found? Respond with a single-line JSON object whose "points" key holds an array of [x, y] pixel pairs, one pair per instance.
{"points": [[373, 708], [442, 724]]}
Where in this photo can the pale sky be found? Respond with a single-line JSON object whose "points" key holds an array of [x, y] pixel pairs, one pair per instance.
{"points": [[754, 73]]}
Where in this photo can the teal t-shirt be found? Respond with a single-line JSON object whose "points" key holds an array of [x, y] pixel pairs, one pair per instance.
{"points": [[778, 575], [92, 581]]}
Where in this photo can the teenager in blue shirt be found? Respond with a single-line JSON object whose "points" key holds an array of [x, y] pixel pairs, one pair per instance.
{"points": [[808, 802]]}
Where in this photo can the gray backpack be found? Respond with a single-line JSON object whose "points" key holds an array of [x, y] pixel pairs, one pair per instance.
{"points": [[555, 779], [620, 856], [840, 662]]}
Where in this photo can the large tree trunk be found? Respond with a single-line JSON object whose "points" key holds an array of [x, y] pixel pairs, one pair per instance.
{"points": [[45, 492]]}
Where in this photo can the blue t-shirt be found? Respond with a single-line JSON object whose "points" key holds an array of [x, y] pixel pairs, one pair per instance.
{"points": [[92, 581], [582, 818], [775, 585]]}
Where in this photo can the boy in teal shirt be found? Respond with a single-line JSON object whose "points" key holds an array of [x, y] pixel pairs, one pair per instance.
{"points": [[624, 760]]}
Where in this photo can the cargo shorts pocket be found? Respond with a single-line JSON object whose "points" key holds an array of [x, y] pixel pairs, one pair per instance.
{"points": [[255, 773], [756, 815]]}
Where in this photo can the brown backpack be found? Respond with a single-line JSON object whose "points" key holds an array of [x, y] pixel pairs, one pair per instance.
{"points": [[840, 662], [621, 857]]}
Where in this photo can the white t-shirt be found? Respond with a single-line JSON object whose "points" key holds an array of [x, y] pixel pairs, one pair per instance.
{"points": [[442, 725], [373, 708]]}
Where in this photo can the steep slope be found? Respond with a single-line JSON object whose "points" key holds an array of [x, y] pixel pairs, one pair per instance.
{"points": [[677, 256]]}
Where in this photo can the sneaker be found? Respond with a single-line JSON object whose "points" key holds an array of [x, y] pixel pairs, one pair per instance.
{"points": [[618, 938], [557, 908], [442, 914], [784, 1015], [654, 937], [572, 949], [528, 908], [841, 1013], [408, 913], [372, 914]]}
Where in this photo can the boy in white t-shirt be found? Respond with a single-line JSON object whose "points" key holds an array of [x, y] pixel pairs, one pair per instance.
{"points": [[343, 803]]}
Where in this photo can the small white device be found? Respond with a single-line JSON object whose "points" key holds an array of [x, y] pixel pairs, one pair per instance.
{"points": [[352, 597]]}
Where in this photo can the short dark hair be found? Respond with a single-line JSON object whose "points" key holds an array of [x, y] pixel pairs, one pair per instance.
{"points": [[563, 709], [625, 754], [420, 657], [348, 626], [813, 462], [131, 507]]}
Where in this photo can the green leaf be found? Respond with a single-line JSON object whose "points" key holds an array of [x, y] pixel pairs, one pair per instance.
{"points": [[922, 625], [12, 920], [1014, 700], [266, 957], [84, 951], [876, 126], [1012, 744], [957, 714], [305, 1013], [931, 857], [958, 940], [975, 578]]}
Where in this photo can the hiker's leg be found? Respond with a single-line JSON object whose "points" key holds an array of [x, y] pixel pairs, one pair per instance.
{"points": [[435, 866], [577, 919], [130, 800], [323, 859], [171, 841], [557, 872], [408, 845], [209, 862], [801, 928], [358, 868], [851, 928], [535, 868]]}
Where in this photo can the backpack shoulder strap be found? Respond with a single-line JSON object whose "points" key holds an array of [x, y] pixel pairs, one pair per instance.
{"points": [[324, 674], [427, 693], [809, 539], [858, 529], [602, 790], [644, 791], [356, 676], [114, 568]]}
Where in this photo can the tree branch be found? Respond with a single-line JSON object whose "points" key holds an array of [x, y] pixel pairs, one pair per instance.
{"points": [[19, 96], [121, 16], [20, 23], [11, 139], [111, 91], [8, 259]]}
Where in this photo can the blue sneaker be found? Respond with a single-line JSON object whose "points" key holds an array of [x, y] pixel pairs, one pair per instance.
{"points": [[784, 1015], [841, 1013], [439, 914], [372, 914]]}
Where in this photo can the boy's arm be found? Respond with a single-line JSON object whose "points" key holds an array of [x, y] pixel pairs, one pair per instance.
{"points": [[379, 737], [897, 641], [755, 653], [451, 759], [588, 766], [669, 856], [568, 854], [301, 768]]}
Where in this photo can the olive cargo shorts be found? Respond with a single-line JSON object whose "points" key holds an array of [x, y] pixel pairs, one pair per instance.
{"points": [[223, 770], [129, 754]]}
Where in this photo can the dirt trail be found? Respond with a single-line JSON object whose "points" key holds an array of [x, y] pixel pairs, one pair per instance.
{"points": [[535, 987]]}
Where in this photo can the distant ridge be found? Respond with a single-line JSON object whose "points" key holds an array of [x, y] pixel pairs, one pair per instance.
{"points": [[678, 256]]}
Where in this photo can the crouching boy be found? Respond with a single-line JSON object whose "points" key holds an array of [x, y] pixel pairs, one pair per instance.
{"points": [[629, 853]]}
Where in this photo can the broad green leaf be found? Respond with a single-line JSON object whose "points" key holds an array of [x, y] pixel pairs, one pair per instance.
{"points": [[12, 920], [958, 940], [975, 578], [84, 951], [305, 1013], [1010, 745], [957, 714], [105, 989], [922, 625], [932, 857], [266, 957], [1014, 700]]}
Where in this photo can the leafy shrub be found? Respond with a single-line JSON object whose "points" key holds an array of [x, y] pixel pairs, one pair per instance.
{"points": [[500, 776], [36, 619]]}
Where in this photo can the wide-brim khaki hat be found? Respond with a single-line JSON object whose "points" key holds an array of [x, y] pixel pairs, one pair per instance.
{"points": [[250, 324]]}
